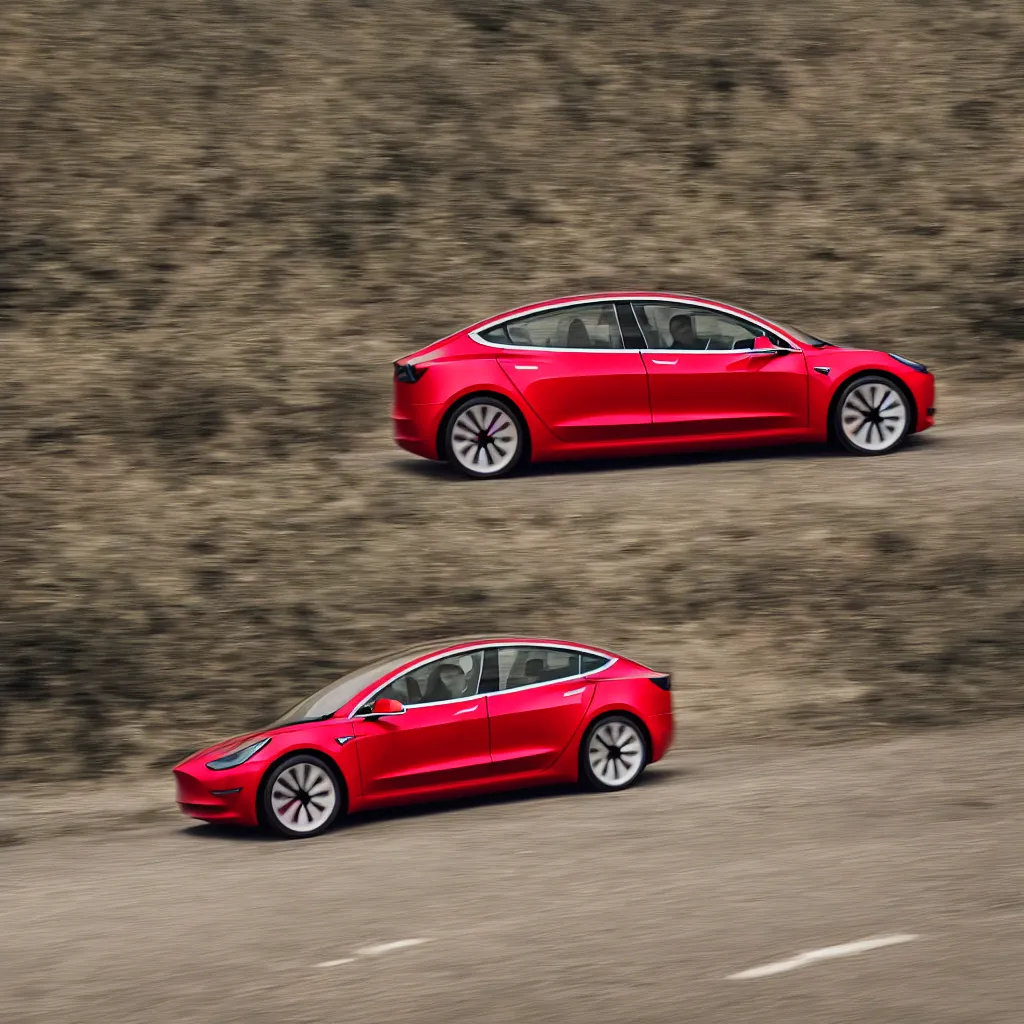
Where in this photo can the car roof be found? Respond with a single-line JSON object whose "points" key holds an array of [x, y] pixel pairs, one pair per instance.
{"points": [[449, 643], [619, 296]]}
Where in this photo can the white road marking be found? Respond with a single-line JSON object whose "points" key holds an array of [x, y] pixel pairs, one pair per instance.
{"points": [[387, 947], [826, 953], [337, 963]]}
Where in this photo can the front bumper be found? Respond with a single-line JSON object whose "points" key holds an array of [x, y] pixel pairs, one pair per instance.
{"points": [[923, 387], [228, 796]]}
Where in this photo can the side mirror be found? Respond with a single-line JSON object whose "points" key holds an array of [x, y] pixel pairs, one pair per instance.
{"points": [[386, 706], [764, 346]]}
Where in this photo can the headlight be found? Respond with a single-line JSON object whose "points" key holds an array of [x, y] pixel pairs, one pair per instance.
{"points": [[238, 756], [920, 367]]}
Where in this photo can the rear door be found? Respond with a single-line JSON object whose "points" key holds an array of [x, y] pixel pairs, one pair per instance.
{"points": [[572, 369], [706, 380], [441, 739], [541, 697]]}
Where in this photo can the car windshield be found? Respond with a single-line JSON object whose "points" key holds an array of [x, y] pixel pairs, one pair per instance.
{"points": [[333, 696], [807, 339]]}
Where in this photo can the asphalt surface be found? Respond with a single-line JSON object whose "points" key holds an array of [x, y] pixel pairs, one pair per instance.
{"points": [[560, 907]]}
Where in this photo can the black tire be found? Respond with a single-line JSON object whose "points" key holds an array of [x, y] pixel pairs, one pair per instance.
{"points": [[485, 437], [606, 736], [301, 816], [872, 416]]}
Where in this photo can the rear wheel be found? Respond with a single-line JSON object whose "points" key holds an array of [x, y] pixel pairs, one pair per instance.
{"points": [[613, 754], [485, 437], [872, 416], [301, 797]]}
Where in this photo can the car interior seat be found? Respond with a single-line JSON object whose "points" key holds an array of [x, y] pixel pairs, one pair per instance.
{"points": [[520, 336], [534, 671], [608, 334], [577, 336]]}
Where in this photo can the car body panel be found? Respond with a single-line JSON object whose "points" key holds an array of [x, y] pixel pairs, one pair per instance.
{"points": [[584, 396], [587, 403], [696, 394], [458, 369], [206, 794], [429, 746], [486, 743], [531, 725]]}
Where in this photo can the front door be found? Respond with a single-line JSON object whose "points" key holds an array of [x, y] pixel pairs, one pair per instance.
{"points": [[707, 380], [441, 739], [539, 704], [572, 369]]}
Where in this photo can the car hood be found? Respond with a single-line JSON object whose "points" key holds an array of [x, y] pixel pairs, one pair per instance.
{"points": [[225, 746]]}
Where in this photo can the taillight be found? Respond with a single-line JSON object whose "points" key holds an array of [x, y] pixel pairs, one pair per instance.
{"points": [[665, 682], [408, 373]]}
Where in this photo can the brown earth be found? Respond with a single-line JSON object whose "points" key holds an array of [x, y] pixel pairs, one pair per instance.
{"points": [[219, 221], [555, 907]]}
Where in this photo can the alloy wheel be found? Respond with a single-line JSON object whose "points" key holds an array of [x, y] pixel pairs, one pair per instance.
{"points": [[616, 753], [484, 439], [873, 417], [303, 797]]}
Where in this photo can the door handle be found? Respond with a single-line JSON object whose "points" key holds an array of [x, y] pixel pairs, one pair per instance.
{"points": [[665, 362], [466, 711], [518, 367], [573, 693]]}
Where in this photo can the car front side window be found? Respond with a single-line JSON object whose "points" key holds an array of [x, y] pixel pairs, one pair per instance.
{"points": [[448, 678], [693, 328]]}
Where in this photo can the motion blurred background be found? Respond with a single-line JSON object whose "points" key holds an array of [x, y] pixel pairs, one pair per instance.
{"points": [[220, 220]]}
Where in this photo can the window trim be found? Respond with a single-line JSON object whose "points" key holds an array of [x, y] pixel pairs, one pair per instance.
{"points": [[504, 319], [469, 649]]}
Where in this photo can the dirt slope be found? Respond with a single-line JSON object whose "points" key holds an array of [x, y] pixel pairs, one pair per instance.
{"points": [[219, 221]]}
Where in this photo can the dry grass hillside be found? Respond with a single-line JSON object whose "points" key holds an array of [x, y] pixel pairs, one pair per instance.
{"points": [[221, 219]]}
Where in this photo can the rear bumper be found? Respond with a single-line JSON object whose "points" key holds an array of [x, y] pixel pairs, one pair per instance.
{"points": [[416, 426], [662, 729]]}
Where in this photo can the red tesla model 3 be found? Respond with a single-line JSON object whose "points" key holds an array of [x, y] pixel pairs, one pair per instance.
{"points": [[625, 373], [459, 718]]}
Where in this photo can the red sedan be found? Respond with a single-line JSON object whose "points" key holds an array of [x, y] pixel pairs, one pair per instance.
{"points": [[462, 718], [633, 373]]}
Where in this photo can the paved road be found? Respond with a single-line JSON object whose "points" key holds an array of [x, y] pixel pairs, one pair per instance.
{"points": [[559, 907]]}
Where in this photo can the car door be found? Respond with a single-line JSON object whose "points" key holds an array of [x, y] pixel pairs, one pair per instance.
{"points": [[441, 739], [572, 369], [538, 705], [706, 378]]}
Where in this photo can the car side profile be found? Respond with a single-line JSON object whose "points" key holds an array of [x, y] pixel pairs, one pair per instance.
{"points": [[435, 722], [646, 373]]}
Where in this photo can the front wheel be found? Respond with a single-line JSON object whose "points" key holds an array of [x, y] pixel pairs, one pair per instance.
{"points": [[872, 416], [485, 437], [613, 754], [301, 797]]}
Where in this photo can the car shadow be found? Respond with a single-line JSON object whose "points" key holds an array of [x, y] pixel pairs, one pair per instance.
{"points": [[433, 470], [655, 776]]}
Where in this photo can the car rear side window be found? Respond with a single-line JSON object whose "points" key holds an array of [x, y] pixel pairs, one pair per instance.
{"points": [[590, 326], [526, 666], [509, 668]]}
